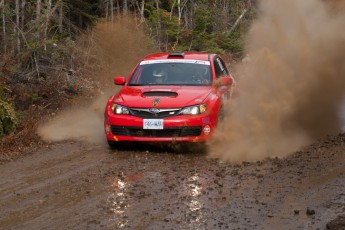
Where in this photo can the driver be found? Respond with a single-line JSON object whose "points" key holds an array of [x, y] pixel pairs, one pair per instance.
{"points": [[160, 76], [201, 75]]}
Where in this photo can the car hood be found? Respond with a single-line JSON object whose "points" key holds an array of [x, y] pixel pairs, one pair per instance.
{"points": [[162, 96]]}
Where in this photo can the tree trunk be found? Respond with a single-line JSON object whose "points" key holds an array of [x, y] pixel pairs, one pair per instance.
{"points": [[125, 8], [179, 11], [141, 9], [186, 19], [112, 11], [106, 10], [179, 22], [237, 21], [118, 8], [159, 26], [4, 26], [38, 11], [16, 27], [38, 19], [172, 8], [61, 15], [46, 23], [22, 16]]}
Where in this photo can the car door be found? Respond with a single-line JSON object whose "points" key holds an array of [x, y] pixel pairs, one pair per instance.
{"points": [[222, 72]]}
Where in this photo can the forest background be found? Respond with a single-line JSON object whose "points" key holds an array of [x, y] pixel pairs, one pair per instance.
{"points": [[44, 55]]}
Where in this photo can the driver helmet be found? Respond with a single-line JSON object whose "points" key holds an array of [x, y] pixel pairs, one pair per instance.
{"points": [[201, 74], [204, 71], [160, 75]]}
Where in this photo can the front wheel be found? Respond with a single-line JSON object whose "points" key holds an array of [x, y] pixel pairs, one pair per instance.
{"points": [[221, 114], [192, 147], [112, 144]]}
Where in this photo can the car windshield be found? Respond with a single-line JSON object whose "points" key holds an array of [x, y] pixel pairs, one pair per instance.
{"points": [[195, 73]]}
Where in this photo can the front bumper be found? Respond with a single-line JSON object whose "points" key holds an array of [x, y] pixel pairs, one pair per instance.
{"points": [[184, 128]]}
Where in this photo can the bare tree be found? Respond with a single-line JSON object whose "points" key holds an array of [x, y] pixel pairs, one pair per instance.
{"points": [[48, 6], [118, 7], [141, 9], [109, 9], [38, 10], [246, 7], [159, 25], [112, 11], [125, 7], [61, 16], [22, 16], [180, 7], [106, 3], [49, 11], [4, 26], [38, 18], [17, 25]]}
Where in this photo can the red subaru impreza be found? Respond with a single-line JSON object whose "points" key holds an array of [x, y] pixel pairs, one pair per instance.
{"points": [[169, 97]]}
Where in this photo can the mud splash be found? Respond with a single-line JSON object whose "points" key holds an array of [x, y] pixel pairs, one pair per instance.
{"points": [[76, 123], [292, 86], [113, 49]]}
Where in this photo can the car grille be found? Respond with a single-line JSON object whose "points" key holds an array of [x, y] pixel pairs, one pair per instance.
{"points": [[167, 132], [147, 113]]}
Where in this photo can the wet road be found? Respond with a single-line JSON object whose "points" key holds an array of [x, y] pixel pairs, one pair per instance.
{"points": [[76, 185]]}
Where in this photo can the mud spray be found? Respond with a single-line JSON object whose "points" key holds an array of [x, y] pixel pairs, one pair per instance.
{"points": [[110, 50], [292, 86]]}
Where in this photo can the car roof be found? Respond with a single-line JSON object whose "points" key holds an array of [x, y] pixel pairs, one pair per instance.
{"points": [[180, 55]]}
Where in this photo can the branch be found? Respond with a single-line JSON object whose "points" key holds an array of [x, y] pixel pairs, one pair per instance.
{"points": [[27, 45], [238, 21], [172, 8]]}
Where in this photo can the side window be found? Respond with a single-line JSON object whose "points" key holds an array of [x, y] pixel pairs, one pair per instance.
{"points": [[220, 68]]}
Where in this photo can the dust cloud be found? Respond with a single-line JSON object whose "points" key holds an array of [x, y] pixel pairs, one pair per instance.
{"points": [[291, 84], [109, 50]]}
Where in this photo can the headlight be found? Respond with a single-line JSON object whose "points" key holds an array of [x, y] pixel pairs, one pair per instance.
{"points": [[119, 109], [194, 110]]}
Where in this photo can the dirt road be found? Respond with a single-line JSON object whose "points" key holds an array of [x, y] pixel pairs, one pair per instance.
{"points": [[76, 185]]}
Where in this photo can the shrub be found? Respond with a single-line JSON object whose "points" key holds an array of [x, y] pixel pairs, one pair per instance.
{"points": [[8, 118]]}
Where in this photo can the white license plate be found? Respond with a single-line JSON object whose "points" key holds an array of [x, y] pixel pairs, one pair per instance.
{"points": [[153, 124]]}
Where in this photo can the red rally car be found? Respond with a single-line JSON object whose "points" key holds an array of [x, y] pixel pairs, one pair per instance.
{"points": [[169, 97]]}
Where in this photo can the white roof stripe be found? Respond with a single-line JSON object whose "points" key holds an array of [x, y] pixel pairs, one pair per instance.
{"points": [[175, 61]]}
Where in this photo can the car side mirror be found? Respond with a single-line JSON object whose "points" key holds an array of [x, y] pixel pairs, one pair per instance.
{"points": [[119, 80], [224, 81]]}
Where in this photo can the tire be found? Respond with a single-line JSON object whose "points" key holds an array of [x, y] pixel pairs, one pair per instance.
{"points": [[197, 147], [221, 114], [112, 144], [200, 148]]}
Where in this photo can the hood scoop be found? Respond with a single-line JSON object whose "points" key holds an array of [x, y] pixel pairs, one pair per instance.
{"points": [[159, 94]]}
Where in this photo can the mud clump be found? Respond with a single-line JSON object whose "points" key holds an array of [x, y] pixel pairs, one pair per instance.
{"points": [[337, 224]]}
